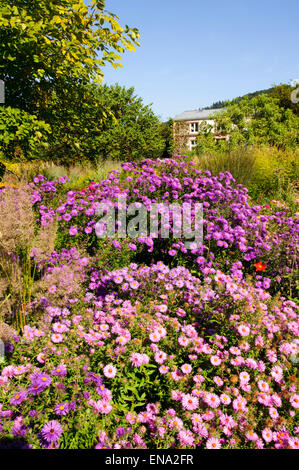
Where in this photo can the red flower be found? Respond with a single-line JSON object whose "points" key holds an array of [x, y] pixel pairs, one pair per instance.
{"points": [[260, 266]]}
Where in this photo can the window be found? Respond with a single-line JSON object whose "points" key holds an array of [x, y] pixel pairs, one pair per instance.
{"points": [[193, 126], [192, 143]]}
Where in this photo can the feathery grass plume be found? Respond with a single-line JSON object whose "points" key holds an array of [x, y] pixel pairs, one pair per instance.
{"points": [[6, 332], [239, 162], [16, 235], [44, 242], [16, 219], [21, 248], [60, 284], [15, 275], [4, 297]]}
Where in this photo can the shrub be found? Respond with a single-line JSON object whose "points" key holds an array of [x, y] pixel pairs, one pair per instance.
{"points": [[23, 135]]}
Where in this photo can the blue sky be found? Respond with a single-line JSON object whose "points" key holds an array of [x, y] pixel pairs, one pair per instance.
{"points": [[196, 52]]}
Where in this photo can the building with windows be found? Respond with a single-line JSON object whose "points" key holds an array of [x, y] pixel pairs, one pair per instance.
{"points": [[187, 126]]}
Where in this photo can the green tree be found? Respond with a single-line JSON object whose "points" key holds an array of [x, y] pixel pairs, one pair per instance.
{"points": [[51, 49], [283, 94], [131, 130], [166, 132], [21, 134]]}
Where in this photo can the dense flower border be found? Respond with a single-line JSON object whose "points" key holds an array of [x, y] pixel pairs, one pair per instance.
{"points": [[158, 355]]}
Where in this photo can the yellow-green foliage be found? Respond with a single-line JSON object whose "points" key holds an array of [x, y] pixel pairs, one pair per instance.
{"points": [[265, 171], [274, 169], [80, 175], [239, 163]]}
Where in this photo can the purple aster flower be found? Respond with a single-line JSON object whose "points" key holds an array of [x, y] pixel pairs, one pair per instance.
{"points": [[41, 378], [120, 432], [59, 371], [51, 431], [62, 409], [67, 217], [35, 389], [73, 230], [39, 382], [18, 398]]}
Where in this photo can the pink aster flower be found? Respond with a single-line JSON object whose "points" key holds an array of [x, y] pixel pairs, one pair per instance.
{"points": [[208, 415], [202, 430], [294, 442], [57, 338], [73, 230], [239, 404], [218, 381], [60, 328], [212, 400], [271, 356], [163, 308], [160, 357], [264, 399], [251, 436], [267, 434], [110, 371], [136, 359], [134, 285], [225, 399], [101, 406], [190, 402], [176, 395], [176, 423], [234, 350], [41, 358], [198, 378], [131, 417], [244, 330], [277, 373], [206, 349], [144, 358], [227, 421], [273, 413], [175, 375], [161, 331], [183, 341], [213, 443], [186, 369], [294, 400], [19, 370], [215, 360], [155, 337], [276, 400], [186, 437], [196, 419], [163, 369], [8, 371], [244, 377], [263, 386]]}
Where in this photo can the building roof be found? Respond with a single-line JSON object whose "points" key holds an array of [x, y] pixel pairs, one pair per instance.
{"points": [[197, 114]]}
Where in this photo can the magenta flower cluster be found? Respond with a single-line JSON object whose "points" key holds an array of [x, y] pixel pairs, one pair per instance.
{"points": [[174, 349]]}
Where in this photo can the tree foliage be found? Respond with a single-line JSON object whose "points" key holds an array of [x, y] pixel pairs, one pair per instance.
{"points": [[283, 94], [51, 52], [43, 41], [131, 130], [259, 120], [21, 134]]}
